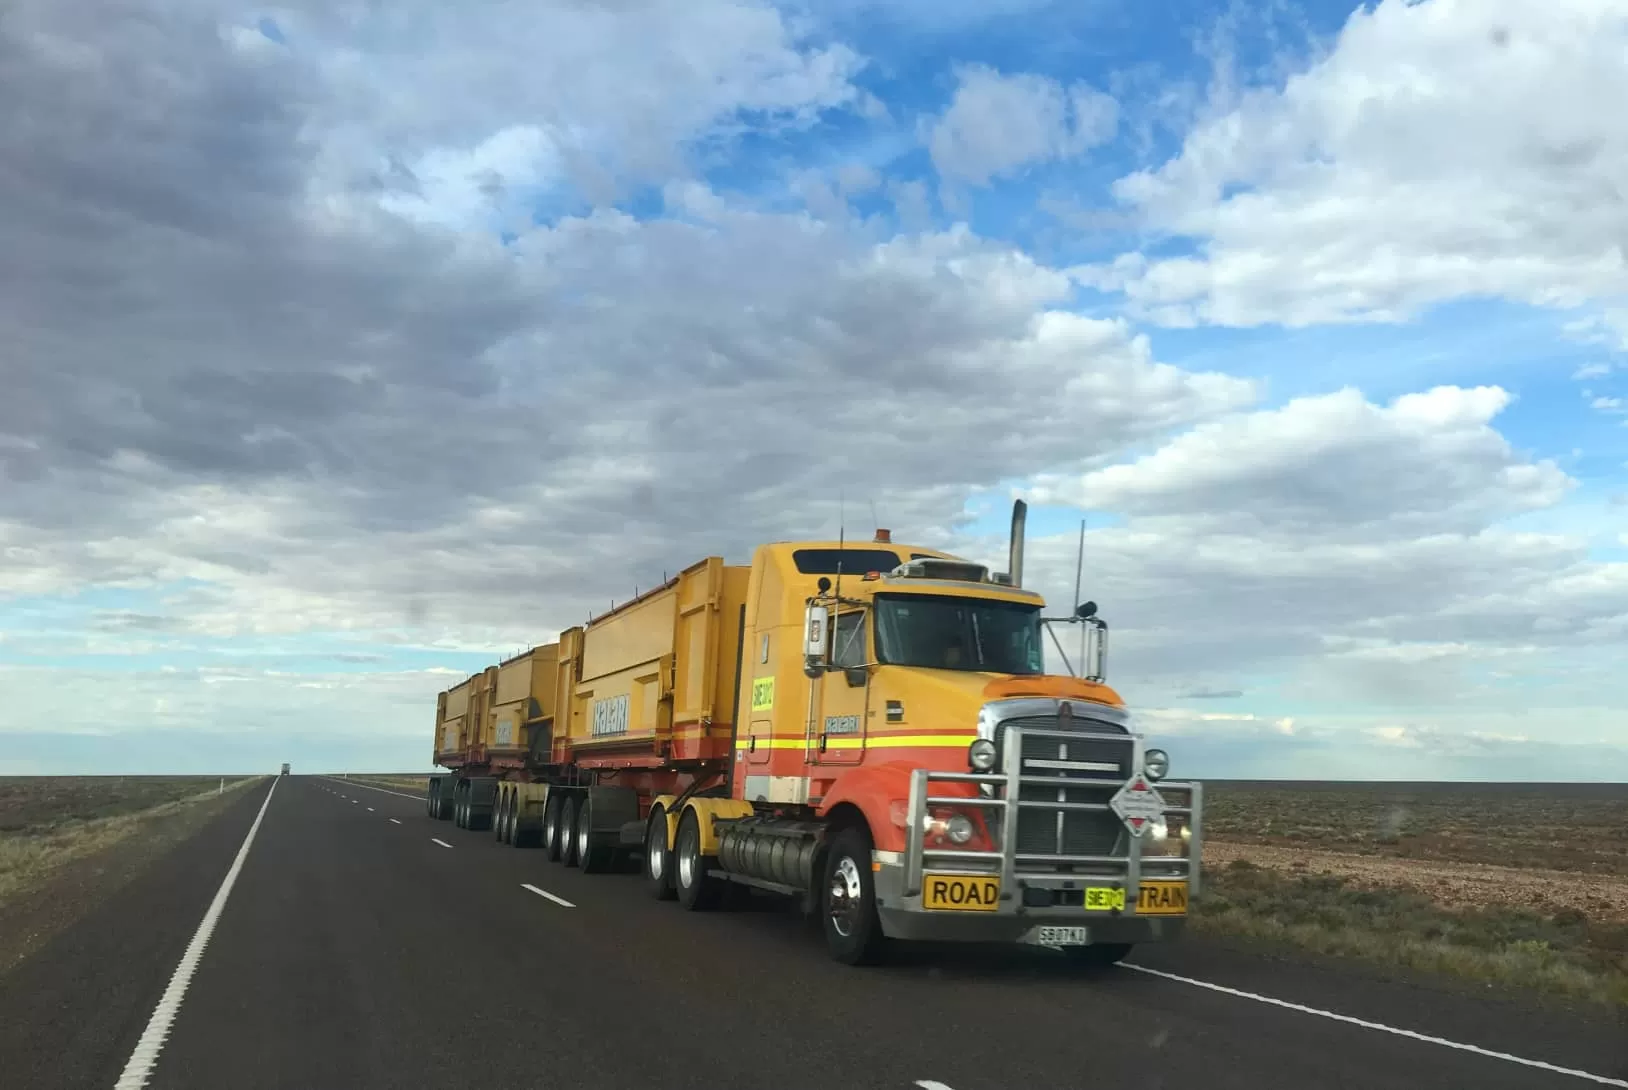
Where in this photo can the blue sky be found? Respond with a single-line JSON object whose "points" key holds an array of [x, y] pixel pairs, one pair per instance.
{"points": [[490, 322]]}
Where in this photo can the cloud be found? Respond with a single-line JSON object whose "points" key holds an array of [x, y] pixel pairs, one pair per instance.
{"points": [[317, 409], [1331, 463], [1438, 150], [1354, 551], [275, 374], [998, 124]]}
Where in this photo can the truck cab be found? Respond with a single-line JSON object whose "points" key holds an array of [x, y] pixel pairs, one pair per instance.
{"points": [[903, 693]]}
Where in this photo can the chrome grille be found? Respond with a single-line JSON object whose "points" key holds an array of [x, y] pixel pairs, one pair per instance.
{"points": [[1108, 749]]}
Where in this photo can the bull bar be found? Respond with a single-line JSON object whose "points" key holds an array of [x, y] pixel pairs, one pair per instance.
{"points": [[1017, 868]]}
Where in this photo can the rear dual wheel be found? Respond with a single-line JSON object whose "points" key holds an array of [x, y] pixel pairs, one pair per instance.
{"points": [[553, 811], [697, 889], [500, 816], [658, 858]]}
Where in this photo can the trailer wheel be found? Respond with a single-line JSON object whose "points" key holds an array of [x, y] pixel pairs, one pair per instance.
{"points": [[1099, 955], [658, 859], [569, 812], [551, 826], [511, 819], [521, 834], [697, 889], [853, 934], [591, 857], [497, 816], [460, 812]]}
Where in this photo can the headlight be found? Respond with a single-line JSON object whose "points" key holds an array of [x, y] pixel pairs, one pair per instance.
{"points": [[981, 755], [1156, 763], [958, 828]]}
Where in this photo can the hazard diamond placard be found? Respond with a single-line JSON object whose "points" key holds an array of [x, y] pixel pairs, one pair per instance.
{"points": [[1137, 804]]}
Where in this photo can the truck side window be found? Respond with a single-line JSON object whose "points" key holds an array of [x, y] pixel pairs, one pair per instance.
{"points": [[850, 649]]}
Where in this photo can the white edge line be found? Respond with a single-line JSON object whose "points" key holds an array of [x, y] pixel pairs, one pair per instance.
{"points": [[1603, 1080], [437, 840], [139, 1068], [386, 790], [394, 821], [544, 893]]}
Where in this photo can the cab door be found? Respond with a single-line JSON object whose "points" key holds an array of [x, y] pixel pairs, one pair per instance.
{"points": [[839, 729]]}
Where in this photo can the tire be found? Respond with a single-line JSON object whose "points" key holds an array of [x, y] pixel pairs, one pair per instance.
{"points": [[591, 857], [460, 807], [511, 820], [1099, 955], [551, 826], [568, 831], [853, 932], [520, 836], [657, 859], [498, 822], [697, 889]]}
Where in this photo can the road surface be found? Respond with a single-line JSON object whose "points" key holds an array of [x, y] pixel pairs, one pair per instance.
{"points": [[361, 945]]}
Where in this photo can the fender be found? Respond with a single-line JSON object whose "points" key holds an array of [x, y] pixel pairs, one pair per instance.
{"points": [[882, 794]]}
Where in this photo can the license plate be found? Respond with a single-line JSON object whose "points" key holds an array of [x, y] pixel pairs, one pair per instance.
{"points": [[1162, 899], [1063, 936], [960, 892], [1104, 899]]}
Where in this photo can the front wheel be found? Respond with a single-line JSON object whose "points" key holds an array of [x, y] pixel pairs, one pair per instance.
{"points": [[853, 932]]}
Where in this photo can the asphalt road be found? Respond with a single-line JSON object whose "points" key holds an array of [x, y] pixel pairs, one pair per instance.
{"points": [[355, 950]]}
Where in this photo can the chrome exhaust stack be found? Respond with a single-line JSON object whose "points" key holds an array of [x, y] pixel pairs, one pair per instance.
{"points": [[1014, 548]]}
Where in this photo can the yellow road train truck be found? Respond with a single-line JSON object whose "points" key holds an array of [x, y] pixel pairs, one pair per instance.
{"points": [[868, 727]]}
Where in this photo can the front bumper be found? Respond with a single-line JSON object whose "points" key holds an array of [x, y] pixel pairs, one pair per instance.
{"points": [[903, 917], [1123, 896]]}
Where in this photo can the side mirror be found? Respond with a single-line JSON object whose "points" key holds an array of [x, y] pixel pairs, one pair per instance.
{"points": [[1085, 610], [857, 676], [816, 628]]}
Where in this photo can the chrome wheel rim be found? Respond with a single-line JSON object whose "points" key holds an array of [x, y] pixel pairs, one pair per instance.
{"points": [[686, 863], [844, 897], [654, 849]]}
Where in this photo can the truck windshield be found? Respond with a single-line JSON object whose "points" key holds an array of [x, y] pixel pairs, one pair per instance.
{"points": [[958, 634]]}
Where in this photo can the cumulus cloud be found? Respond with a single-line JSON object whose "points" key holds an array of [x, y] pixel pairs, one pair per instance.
{"points": [[1438, 150], [998, 124], [1356, 551], [258, 398], [273, 370]]}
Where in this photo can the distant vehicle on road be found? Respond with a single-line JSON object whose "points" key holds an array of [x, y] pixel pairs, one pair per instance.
{"points": [[868, 727], [285, 768]]}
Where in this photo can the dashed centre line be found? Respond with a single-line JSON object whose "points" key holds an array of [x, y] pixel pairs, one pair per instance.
{"points": [[393, 821], [550, 896], [438, 840]]}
